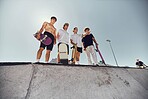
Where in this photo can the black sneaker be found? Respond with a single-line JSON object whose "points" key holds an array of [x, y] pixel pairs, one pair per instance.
{"points": [[36, 62], [97, 64]]}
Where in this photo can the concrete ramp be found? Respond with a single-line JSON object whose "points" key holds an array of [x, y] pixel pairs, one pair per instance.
{"points": [[40, 81]]}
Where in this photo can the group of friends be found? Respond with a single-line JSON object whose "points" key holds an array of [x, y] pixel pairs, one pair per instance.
{"points": [[82, 41]]}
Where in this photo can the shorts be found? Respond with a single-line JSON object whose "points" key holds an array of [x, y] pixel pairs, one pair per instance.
{"points": [[67, 48], [48, 47], [79, 49]]}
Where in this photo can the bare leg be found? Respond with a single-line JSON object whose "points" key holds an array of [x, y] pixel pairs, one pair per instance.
{"points": [[78, 56], [39, 53], [47, 55], [58, 58]]}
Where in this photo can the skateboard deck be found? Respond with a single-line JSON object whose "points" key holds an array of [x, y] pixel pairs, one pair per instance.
{"points": [[63, 53], [43, 38], [74, 51], [97, 49], [142, 67]]}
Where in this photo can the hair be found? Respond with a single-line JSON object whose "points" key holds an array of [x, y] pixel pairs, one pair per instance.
{"points": [[66, 24], [53, 17], [75, 28], [85, 29]]}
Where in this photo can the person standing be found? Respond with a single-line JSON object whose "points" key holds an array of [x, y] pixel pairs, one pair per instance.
{"points": [[50, 31], [76, 39], [88, 40], [63, 37]]}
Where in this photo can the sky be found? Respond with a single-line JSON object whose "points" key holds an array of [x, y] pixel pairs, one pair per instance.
{"points": [[124, 22]]}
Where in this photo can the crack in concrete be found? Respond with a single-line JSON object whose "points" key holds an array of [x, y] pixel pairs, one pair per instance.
{"points": [[136, 79], [34, 71]]}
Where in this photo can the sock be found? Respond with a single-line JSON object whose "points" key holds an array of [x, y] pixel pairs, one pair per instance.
{"points": [[46, 61], [37, 60]]}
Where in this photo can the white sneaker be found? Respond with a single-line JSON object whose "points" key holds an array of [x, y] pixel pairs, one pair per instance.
{"points": [[46, 61], [77, 63]]}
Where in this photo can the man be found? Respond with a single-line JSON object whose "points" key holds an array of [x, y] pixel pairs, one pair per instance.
{"points": [[63, 37], [88, 40], [50, 31], [76, 39], [140, 64]]}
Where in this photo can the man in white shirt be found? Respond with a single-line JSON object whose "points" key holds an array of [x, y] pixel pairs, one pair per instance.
{"points": [[76, 39], [63, 37]]}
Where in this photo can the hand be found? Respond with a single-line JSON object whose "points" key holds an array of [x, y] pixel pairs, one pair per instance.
{"points": [[97, 44], [75, 44], [38, 36], [55, 42]]}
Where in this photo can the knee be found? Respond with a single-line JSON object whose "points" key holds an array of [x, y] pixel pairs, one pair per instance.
{"points": [[40, 50], [48, 52]]}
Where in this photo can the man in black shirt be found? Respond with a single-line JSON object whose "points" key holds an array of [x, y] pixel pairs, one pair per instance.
{"points": [[140, 64], [88, 40]]}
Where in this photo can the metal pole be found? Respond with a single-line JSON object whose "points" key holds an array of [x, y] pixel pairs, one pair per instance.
{"points": [[112, 51]]}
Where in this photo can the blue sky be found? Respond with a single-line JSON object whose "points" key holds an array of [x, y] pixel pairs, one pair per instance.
{"points": [[124, 22]]}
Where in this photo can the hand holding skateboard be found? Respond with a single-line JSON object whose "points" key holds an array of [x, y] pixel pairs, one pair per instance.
{"points": [[38, 36], [43, 38]]}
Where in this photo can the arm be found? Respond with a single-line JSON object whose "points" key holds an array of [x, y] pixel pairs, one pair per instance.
{"points": [[55, 36], [42, 28], [72, 42], [84, 47], [83, 35], [58, 35], [95, 41], [83, 44]]}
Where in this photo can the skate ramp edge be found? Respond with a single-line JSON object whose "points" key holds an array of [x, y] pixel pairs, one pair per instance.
{"points": [[52, 81]]}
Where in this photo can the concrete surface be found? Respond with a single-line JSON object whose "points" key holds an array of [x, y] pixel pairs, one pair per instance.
{"points": [[39, 81]]}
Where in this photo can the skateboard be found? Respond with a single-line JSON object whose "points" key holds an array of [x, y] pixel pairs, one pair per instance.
{"points": [[142, 67], [63, 53], [74, 51], [43, 38], [97, 50]]}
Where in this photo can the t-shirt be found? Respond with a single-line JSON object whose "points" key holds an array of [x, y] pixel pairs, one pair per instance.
{"points": [[140, 63], [77, 39], [63, 36], [87, 40]]}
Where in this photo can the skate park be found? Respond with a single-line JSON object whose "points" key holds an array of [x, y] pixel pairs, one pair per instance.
{"points": [[54, 81], [119, 27]]}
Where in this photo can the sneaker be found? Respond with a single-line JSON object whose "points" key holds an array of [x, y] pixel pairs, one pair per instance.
{"points": [[77, 63], [97, 64], [36, 62], [46, 62]]}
